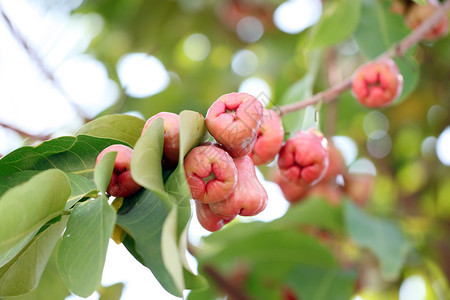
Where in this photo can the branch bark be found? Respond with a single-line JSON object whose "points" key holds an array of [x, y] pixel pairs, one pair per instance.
{"points": [[397, 50], [233, 291]]}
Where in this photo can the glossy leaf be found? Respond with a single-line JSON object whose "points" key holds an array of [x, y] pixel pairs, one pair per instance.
{"points": [[104, 170], [22, 274], [339, 20], [8, 255], [142, 216], [379, 29], [410, 70], [41, 199], [81, 187], [382, 237], [322, 283], [123, 128], [146, 166], [82, 252]]}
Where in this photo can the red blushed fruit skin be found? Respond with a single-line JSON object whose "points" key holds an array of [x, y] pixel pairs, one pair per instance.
{"points": [[233, 120], [419, 13], [210, 173], [249, 197], [269, 138], [209, 220], [121, 184], [292, 192], [359, 187], [377, 84], [303, 159], [336, 164], [171, 148]]}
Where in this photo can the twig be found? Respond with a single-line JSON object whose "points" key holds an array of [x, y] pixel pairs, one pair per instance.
{"points": [[398, 50], [26, 134], [234, 292], [38, 61]]}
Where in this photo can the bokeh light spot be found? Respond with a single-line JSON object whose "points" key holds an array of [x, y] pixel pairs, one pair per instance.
{"points": [[295, 16], [347, 147], [197, 47], [443, 147], [142, 75], [375, 121], [258, 88], [413, 288], [379, 144], [244, 62], [249, 29]]}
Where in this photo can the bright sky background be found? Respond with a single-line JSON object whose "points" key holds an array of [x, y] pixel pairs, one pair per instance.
{"points": [[31, 102]]}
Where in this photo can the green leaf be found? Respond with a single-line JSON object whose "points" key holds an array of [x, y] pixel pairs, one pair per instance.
{"points": [[112, 292], [9, 181], [82, 252], [21, 275], [81, 187], [146, 166], [8, 255], [123, 128], [338, 22], [26, 207], [379, 29], [421, 2], [410, 70], [322, 283], [382, 237], [104, 170], [316, 212], [269, 254], [142, 216], [51, 285]]}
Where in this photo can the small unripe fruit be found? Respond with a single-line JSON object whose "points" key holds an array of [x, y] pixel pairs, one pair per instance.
{"points": [[171, 146], [209, 220], [121, 183], [304, 158], [269, 138], [249, 197], [233, 120], [419, 13], [377, 83], [359, 187], [210, 173]]}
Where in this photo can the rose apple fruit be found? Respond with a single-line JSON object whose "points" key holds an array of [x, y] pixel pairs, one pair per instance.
{"points": [[210, 173], [377, 84], [121, 183], [269, 138], [416, 14], [209, 220], [291, 191], [304, 158], [171, 148], [249, 197], [233, 120]]}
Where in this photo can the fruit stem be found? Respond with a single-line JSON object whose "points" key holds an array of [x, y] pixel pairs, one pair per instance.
{"points": [[397, 50]]}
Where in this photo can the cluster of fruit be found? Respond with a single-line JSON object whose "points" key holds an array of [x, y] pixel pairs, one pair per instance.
{"points": [[221, 174]]}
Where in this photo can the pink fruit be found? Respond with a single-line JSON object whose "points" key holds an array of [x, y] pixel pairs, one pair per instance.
{"points": [[269, 138], [249, 197], [377, 83], [121, 184], [336, 164], [291, 191], [171, 146], [210, 172], [209, 220], [419, 13], [303, 158], [233, 120]]}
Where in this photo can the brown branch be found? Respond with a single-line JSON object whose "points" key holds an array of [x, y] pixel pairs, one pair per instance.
{"points": [[399, 49], [36, 137], [38, 61], [234, 292]]}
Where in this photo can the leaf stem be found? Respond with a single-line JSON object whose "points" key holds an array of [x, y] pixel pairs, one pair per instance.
{"points": [[397, 50]]}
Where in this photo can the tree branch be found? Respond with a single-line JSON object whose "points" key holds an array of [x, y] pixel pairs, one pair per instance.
{"points": [[38, 61], [26, 134], [233, 291], [397, 50]]}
